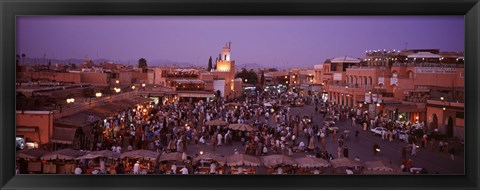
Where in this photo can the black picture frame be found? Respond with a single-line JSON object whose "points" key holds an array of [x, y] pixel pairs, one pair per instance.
{"points": [[12, 8]]}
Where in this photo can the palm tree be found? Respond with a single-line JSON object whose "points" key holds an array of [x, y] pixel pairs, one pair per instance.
{"points": [[23, 58]]}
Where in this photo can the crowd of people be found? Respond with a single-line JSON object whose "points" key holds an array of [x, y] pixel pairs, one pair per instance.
{"points": [[176, 126]]}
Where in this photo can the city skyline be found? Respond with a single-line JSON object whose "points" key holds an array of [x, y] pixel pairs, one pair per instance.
{"points": [[266, 41]]}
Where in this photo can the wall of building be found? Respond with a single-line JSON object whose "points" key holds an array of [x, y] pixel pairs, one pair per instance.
{"points": [[443, 115], [58, 77], [208, 78], [95, 78], [41, 119], [125, 77]]}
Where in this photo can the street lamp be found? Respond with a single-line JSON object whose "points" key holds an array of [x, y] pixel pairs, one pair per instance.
{"points": [[143, 85], [70, 100], [98, 94], [117, 81], [441, 98], [133, 87]]}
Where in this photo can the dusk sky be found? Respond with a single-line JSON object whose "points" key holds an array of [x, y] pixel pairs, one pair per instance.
{"points": [[268, 41]]}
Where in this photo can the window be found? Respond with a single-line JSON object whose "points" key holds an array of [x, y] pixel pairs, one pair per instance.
{"points": [[460, 115]]}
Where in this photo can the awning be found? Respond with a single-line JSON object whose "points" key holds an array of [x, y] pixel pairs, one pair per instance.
{"points": [[196, 95], [27, 128], [404, 108], [63, 135]]}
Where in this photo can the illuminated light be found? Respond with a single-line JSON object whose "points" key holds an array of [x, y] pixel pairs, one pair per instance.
{"points": [[378, 104], [370, 92], [444, 108], [201, 152], [342, 94], [293, 76], [117, 81], [346, 87], [143, 85], [287, 77], [98, 94], [144, 110], [188, 128], [378, 150], [416, 118], [133, 87], [400, 116], [441, 98]]}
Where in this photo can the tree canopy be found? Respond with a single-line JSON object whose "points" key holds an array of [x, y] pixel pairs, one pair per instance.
{"points": [[250, 76], [142, 63], [210, 67]]}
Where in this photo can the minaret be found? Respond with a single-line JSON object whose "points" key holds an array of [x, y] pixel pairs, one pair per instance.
{"points": [[226, 52]]}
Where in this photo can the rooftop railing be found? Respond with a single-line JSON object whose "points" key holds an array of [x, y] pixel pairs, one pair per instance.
{"points": [[427, 64]]}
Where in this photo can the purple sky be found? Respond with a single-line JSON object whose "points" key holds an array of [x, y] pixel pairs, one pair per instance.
{"points": [[268, 41]]}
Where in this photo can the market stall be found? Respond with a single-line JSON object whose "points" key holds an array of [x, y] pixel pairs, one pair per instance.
{"points": [[215, 122], [344, 165], [148, 160], [237, 162], [173, 161], [311, 165], [29, 160], [278, 164], [61, 161], [100, 160], [208, 163]]}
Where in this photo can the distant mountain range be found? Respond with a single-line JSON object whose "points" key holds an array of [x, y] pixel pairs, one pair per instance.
{"points": [[42, 61], [158, 62], [250, 66]]}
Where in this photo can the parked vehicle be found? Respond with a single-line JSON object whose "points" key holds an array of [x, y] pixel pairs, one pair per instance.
{"points": [[378, 130]]}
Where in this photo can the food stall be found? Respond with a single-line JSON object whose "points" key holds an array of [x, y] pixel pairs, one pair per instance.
{"points": [[29, 160], [341, 165], [95, 158], [204, 161], [179, 159], [237, 162], [382, 167], [278, 164], [148, 159], [311, 164], [61, 161]]}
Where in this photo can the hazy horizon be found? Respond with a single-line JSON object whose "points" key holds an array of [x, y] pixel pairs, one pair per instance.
{"points": [[267, 41]]}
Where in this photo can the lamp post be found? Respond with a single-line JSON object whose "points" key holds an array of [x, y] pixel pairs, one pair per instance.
{"points": [[70, 100]]}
